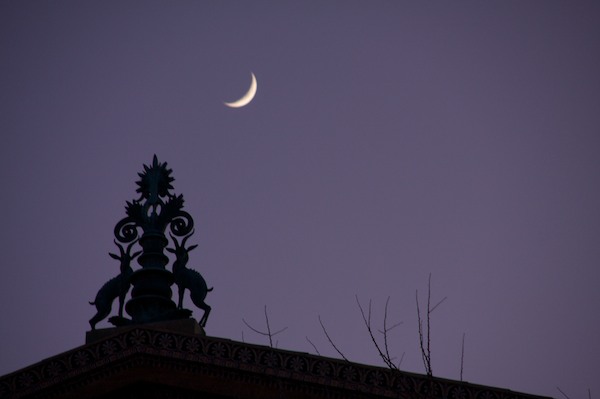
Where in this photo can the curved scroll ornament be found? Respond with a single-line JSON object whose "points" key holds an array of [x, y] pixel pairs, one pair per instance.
{"points": [[147, 219], [126, 230], [182, 224]]}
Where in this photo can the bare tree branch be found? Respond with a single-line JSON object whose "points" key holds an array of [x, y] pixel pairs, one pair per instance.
{"points": [[426, 363], [385, 332], [564, 394], [462, 356], [426, 336], [268, 327], [313, 345], [367, 320], [438, 304], [331, 341], [429, 324], [254, 329], [268, 333], [391, 328], [401, 359]]}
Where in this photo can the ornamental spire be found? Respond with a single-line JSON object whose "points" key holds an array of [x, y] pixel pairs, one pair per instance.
{"points": [[147, 219]]}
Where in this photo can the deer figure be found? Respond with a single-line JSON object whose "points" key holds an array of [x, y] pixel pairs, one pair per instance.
{"points": [[116, 287], [189, 278]]}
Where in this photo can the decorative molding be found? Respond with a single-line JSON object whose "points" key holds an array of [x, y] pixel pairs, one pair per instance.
{"points": [[232, 363]]}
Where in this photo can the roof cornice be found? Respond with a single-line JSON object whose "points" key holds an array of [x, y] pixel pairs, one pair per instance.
{"points": [[224, 367]]}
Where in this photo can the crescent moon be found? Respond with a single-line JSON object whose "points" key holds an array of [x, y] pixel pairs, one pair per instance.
{"points": [[246, 98]]}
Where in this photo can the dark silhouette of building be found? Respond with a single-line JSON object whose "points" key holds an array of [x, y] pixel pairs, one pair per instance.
{"points": [[176, 360]]}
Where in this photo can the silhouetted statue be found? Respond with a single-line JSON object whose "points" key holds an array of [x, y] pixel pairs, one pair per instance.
{"points": [[189, 278], [116, 287], [147, 219]]}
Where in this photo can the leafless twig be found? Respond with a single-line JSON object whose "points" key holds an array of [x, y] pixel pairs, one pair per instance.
{"points": [[268, 333], [426, 360], [331, 341], [313, 345], [386, 329], [401, 359], [367, 320], [462, 356], [438, 304], [564, 394], [426, 348]]}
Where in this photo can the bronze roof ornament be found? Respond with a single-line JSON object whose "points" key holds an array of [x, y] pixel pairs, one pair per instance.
{"points": [[155, 211]]}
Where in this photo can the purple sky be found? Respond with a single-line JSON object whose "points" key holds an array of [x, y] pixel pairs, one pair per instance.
{"points": [[387, 141]]}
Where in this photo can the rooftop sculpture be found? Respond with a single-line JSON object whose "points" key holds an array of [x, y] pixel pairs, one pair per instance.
{"points": [[151, 214]]}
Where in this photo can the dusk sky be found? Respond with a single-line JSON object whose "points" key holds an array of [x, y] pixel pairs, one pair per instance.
{"points": [[387, 141]]}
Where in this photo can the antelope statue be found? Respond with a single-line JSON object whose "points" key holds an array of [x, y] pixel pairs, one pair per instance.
{"points": [[189, 278], [115, 287]]}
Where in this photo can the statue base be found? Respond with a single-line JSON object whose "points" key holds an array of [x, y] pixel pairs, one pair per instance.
{"points": [[182, 326], [169, 315]]}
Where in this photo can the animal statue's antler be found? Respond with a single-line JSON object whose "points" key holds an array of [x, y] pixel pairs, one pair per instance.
{"points": [[125, 257], [179, 247]]}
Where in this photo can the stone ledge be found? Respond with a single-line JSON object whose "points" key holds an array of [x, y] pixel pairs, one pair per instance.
{"points": [[183, 326]]}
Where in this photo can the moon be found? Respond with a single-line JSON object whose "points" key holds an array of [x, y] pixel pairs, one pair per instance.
{"points": [[246, 98]]}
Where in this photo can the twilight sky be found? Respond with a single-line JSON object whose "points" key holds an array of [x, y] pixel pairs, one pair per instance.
{"points": [[387, 141]]}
